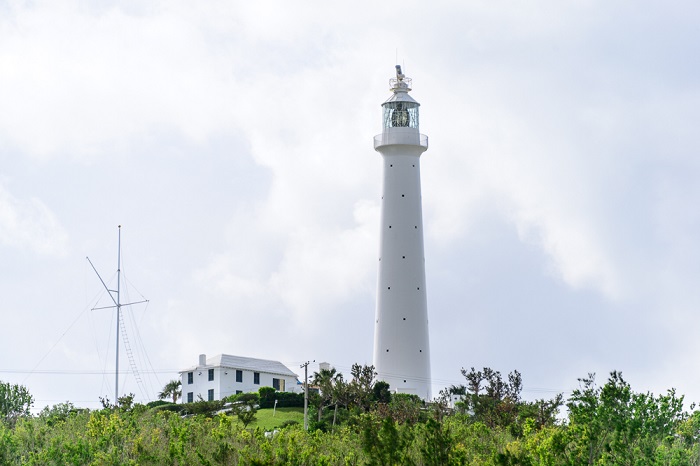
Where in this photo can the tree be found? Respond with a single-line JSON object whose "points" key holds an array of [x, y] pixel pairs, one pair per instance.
{"points": [[614, 425], [172, 390], [126, 402], [325, 380], [381, 392], [542, 412], [496, 402], [490, 399], [15, 402], [341, 395], [59, 412], [385, 442], [362, 385], [405, 408], [439, 444], [246, 408], [440, 406]]}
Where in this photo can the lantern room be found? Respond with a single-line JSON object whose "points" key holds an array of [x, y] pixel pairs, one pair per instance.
{"points": [[400, 110]]}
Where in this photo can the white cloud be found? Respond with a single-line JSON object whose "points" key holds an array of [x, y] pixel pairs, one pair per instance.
{"points": [[562, 143], [30, 224], [75, 81]]}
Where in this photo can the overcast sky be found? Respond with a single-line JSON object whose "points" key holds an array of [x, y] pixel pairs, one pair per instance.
{"points": [[233, 142]]}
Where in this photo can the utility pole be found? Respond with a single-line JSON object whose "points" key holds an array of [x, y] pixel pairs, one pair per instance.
{"points": [[306, 394]]}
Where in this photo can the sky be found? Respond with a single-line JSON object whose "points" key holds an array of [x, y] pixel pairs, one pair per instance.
{"points": [[232, 141]]}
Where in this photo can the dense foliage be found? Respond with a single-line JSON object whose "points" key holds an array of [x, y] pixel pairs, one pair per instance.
{"points": [[360, 422], [15, 401], [269, 395]]}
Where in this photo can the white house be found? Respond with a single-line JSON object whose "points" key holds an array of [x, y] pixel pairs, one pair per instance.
{"points": [[223, 375]]}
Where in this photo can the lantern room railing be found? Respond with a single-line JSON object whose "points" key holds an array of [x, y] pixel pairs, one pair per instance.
{"points": [[403, 136]]}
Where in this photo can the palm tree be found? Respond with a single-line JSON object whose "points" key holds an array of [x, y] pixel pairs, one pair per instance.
{"points": [[171, 389], [326, 380]]}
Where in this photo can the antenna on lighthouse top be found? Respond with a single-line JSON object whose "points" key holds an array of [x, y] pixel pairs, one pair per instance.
{"points": [[400, 83]]}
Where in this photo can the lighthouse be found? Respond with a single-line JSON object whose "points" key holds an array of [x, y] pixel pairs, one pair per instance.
{"points": [[401, 342]]}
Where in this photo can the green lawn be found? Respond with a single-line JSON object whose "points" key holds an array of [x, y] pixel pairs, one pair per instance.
{"points": [[267, 421]]}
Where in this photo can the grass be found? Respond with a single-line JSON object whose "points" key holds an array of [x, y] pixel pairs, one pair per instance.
{"points": [[267, 421]]}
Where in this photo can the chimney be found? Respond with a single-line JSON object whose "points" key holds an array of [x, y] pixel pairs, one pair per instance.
{"points": [[202, 359]]}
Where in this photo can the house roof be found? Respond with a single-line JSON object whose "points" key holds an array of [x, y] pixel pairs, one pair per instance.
{"points": [[252, 364]]}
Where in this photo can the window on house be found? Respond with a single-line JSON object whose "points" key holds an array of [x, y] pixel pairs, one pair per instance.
{"points": [[238, 392], [190, 397], [278, 384], [190, 377], [210, 395], [211, 374], [239, 376], [256, 378]]}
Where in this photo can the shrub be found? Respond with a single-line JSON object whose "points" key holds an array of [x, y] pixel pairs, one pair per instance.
{"points": [[243, 398], [15, 402], [288, 423], [268, 395], [207, 408], [172, 407], [156, 403]]}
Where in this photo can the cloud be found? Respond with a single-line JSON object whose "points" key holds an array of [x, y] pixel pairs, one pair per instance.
{"points": [[78, 81], [29, 224], [314, 267], [235, 142]]}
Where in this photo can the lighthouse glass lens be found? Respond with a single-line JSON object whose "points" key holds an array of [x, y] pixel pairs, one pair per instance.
{"points": [[400, 115]]}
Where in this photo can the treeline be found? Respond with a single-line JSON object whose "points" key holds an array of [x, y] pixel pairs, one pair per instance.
{"points": [[360, 422]]}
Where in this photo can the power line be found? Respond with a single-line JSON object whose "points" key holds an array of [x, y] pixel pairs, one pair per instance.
{"points": [[28, 373], [81, 372]]}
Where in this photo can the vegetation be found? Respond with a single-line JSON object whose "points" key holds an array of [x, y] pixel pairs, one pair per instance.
{"points": [[269, 395], [15, 402], [279, 418], [172, 389], [360, 422], [245, 407]]}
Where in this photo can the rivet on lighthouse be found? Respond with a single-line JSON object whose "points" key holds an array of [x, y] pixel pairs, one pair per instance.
{"points": [[401, 342]]}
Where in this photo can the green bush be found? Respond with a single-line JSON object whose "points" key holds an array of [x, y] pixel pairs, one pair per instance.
{"points": [[289, 423], [172, 407], [206, 408], [268, 395], [243, 398], [156, 403], [15, 402]]}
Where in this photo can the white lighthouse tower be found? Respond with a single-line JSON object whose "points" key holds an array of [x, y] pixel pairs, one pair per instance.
{"points": [[401, 346]]}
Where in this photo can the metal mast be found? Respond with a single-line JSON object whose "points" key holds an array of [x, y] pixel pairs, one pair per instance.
{"points": [[117, 304], [119, 308]]}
